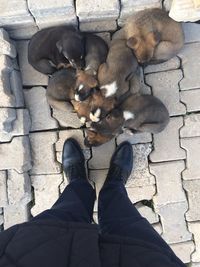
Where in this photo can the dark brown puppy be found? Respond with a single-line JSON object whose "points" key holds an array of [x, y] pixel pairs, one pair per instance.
{"points": [[115, 73], [153, 36], [54, 46], [96, 51], [60, 90], [138, 113]]}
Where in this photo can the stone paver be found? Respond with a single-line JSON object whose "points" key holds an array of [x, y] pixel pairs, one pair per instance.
{"points": [[50, 12], [19, 188], [192, 188], [46, 190], [165, 87], [191, 65], [191, 98], [98, 177], [191, 32], [172, 217], [98, 26], [30, 76], [140, 193], [147, 213], [166, 144], [135, 138], [66, 120], [172, 64], [101, 156], [3, 189], [195, 229], [6, 46], [13, 123], [23, 33], [16, 155], [183, 250], [168, 180], [191, 126], [40, 112], [14, 214], [192, 146], [129, 7], [43, 153]]}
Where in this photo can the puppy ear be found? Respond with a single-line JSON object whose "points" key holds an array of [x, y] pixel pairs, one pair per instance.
{"points": [[133, 42], [59, 46], [92, 82], [154, 37]]}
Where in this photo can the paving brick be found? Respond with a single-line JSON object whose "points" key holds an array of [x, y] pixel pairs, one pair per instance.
{"points": [[98, 26], [6, 46], [191, 126], [166, 143], [183, 250], [140, 175], [168, 180], [13, 122], [30, 76], [191, 32], [23, 33], [193, 192], [3, 189], [193, 264], [46, 191], [140, 193], [135, 139], [101, 156], [173, 222], [16, 155], [88, 11], [190, 65], [16, 87], [15, 214], [195, 229], [167, 4], [43, 153], [147, 213], [165, 87], [40, 112], [158, 228], [192, 99], [98, 177], [66, 120], [192, 146], [19, 188], [15, 13], [129, 7], [51, 12], [172, 64]]}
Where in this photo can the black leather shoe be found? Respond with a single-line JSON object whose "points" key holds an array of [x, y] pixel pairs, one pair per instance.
{"points": [[121, 163], [73, 160]]}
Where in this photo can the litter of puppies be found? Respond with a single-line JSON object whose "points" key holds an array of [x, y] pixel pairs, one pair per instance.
{"points": [[92, 79]]}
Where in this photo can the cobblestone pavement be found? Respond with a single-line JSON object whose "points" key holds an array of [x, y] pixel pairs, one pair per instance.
{"points": [[165, 182]]}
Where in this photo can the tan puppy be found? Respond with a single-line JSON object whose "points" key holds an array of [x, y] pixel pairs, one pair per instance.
{"points": [[153, 36], [96, 139], [115, 73], [138, 113], [60, 90]]}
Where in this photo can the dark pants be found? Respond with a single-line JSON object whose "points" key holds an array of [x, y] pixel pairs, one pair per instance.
{"points": [[117, 215]]}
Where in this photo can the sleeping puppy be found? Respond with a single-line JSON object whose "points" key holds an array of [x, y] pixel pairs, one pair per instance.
{"points": [[153, 36], [96, 139], [115, 73], [137, 113], [55, 46], [93, 107], [60, 90], [96, 51]]}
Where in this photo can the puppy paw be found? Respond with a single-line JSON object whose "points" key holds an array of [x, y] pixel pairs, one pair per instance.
{"points": [[83, 120], [95, 116], [77, 98]]}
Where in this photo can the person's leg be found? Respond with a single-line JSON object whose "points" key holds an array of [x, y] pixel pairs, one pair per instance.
{"points": [[76, 203], [117, 215]]}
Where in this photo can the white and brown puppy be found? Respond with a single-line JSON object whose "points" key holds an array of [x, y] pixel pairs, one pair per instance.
{"points": [[96, 51], [115, 73], [153, 36], [60, 90], [137, 113]]}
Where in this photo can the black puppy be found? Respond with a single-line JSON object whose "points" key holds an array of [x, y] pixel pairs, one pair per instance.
{"points": [[55, 46]]}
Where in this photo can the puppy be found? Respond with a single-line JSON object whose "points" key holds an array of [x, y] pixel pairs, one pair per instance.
{"points": [[96, 51], [96, 139], [60, 90], [153, 36], [115, 73], [55, 46], [138, 113]]}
